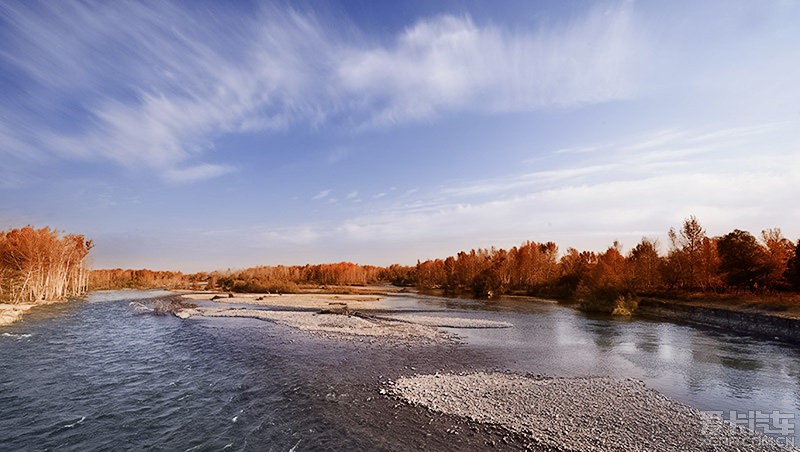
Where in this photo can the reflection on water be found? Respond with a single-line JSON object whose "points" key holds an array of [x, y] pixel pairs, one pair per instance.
{"points": [[95, 375], [705, 368]]}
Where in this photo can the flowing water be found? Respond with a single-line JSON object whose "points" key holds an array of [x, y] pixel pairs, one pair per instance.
{"points": [[95, 375]]}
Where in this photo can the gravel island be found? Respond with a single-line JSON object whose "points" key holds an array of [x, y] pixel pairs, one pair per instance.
{"points": [[585, 414]]}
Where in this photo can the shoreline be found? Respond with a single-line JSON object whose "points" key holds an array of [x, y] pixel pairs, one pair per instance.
{"points": [[751, 323], [737, 316], [12, 313]]}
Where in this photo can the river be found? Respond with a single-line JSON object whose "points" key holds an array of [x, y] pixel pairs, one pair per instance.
{"points": [[94, 375]]}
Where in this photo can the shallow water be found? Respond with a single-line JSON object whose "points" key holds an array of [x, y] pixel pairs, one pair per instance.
{"points": [[93, 374]]}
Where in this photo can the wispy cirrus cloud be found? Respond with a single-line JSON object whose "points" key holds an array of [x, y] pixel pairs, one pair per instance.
{"points": [[321, 195], [156, 85], [632, 190], [196, 173], [449, 63]]}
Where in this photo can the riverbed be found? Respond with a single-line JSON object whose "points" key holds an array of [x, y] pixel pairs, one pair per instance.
{"points": [[94, 374]]}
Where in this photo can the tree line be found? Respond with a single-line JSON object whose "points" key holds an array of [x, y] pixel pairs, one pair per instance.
{"points": [[736, 261], [135, 279], [42, 264], [693, 262], [274, 279]]}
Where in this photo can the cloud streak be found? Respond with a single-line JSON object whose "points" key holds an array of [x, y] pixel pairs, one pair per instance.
{"points": [[321, 195], [196, 173], [638, 195], [155, 86], [450, 63]]}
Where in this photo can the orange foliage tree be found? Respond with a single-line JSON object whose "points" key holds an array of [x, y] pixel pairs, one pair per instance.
{"points": [[694, 262], [42, 264]]}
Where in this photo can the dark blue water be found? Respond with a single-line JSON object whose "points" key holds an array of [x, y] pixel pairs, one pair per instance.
{"points": [[94, 375]]}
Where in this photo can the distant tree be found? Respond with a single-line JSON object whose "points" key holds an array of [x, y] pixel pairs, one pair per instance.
{"points": [[792, 273], [643, 266], [686, 253], [431, 274], [535, 266], [604, 288], [575, 266], [743, 262], [606, 279], [779, 251], [708, 267], [400, 275]]}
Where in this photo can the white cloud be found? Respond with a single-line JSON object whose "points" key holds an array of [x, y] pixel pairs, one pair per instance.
{"points": [[157, 86], [196, 173], [449, 63], [726, 186], [322, 194], [299, 235], [352, 195]]}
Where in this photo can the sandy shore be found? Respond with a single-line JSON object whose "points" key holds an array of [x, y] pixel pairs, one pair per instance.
{"points": [[10, 313], [578, 413]]}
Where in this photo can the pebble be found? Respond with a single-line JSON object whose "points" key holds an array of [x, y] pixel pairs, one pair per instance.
{"points": [[577, 413]]}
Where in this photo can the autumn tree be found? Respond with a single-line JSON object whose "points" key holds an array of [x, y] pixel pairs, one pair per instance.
{"points": [[743, 262], [686, 254], [575, 265], [400, 275], [604, 288], [778, 252], [792, 273], [606, 278], [535, 266], [430, 274], [495, 275], [643, 266], [42, 264]]}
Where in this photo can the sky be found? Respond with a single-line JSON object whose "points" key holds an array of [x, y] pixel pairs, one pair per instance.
{"points": [[209, 135]]}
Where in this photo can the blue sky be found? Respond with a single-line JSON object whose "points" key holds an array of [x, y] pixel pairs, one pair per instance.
{"points": [[211, 135]]}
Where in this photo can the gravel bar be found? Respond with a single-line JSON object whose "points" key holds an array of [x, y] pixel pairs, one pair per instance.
{"points": [[446, 322], [331, 324], [582, 414]]}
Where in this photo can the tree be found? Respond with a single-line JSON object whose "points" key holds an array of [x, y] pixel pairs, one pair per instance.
{"points": [[42, 264], [686, 254], [779, 250], [643, 266], [575, 265], [606, 279], [430, 274], [743, 261], [792, 273], [708, 267]]}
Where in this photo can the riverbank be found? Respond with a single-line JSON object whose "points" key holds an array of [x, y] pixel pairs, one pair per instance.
{"points": [[775, 316], [578, 413], [752, 322], [10, 313]]}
